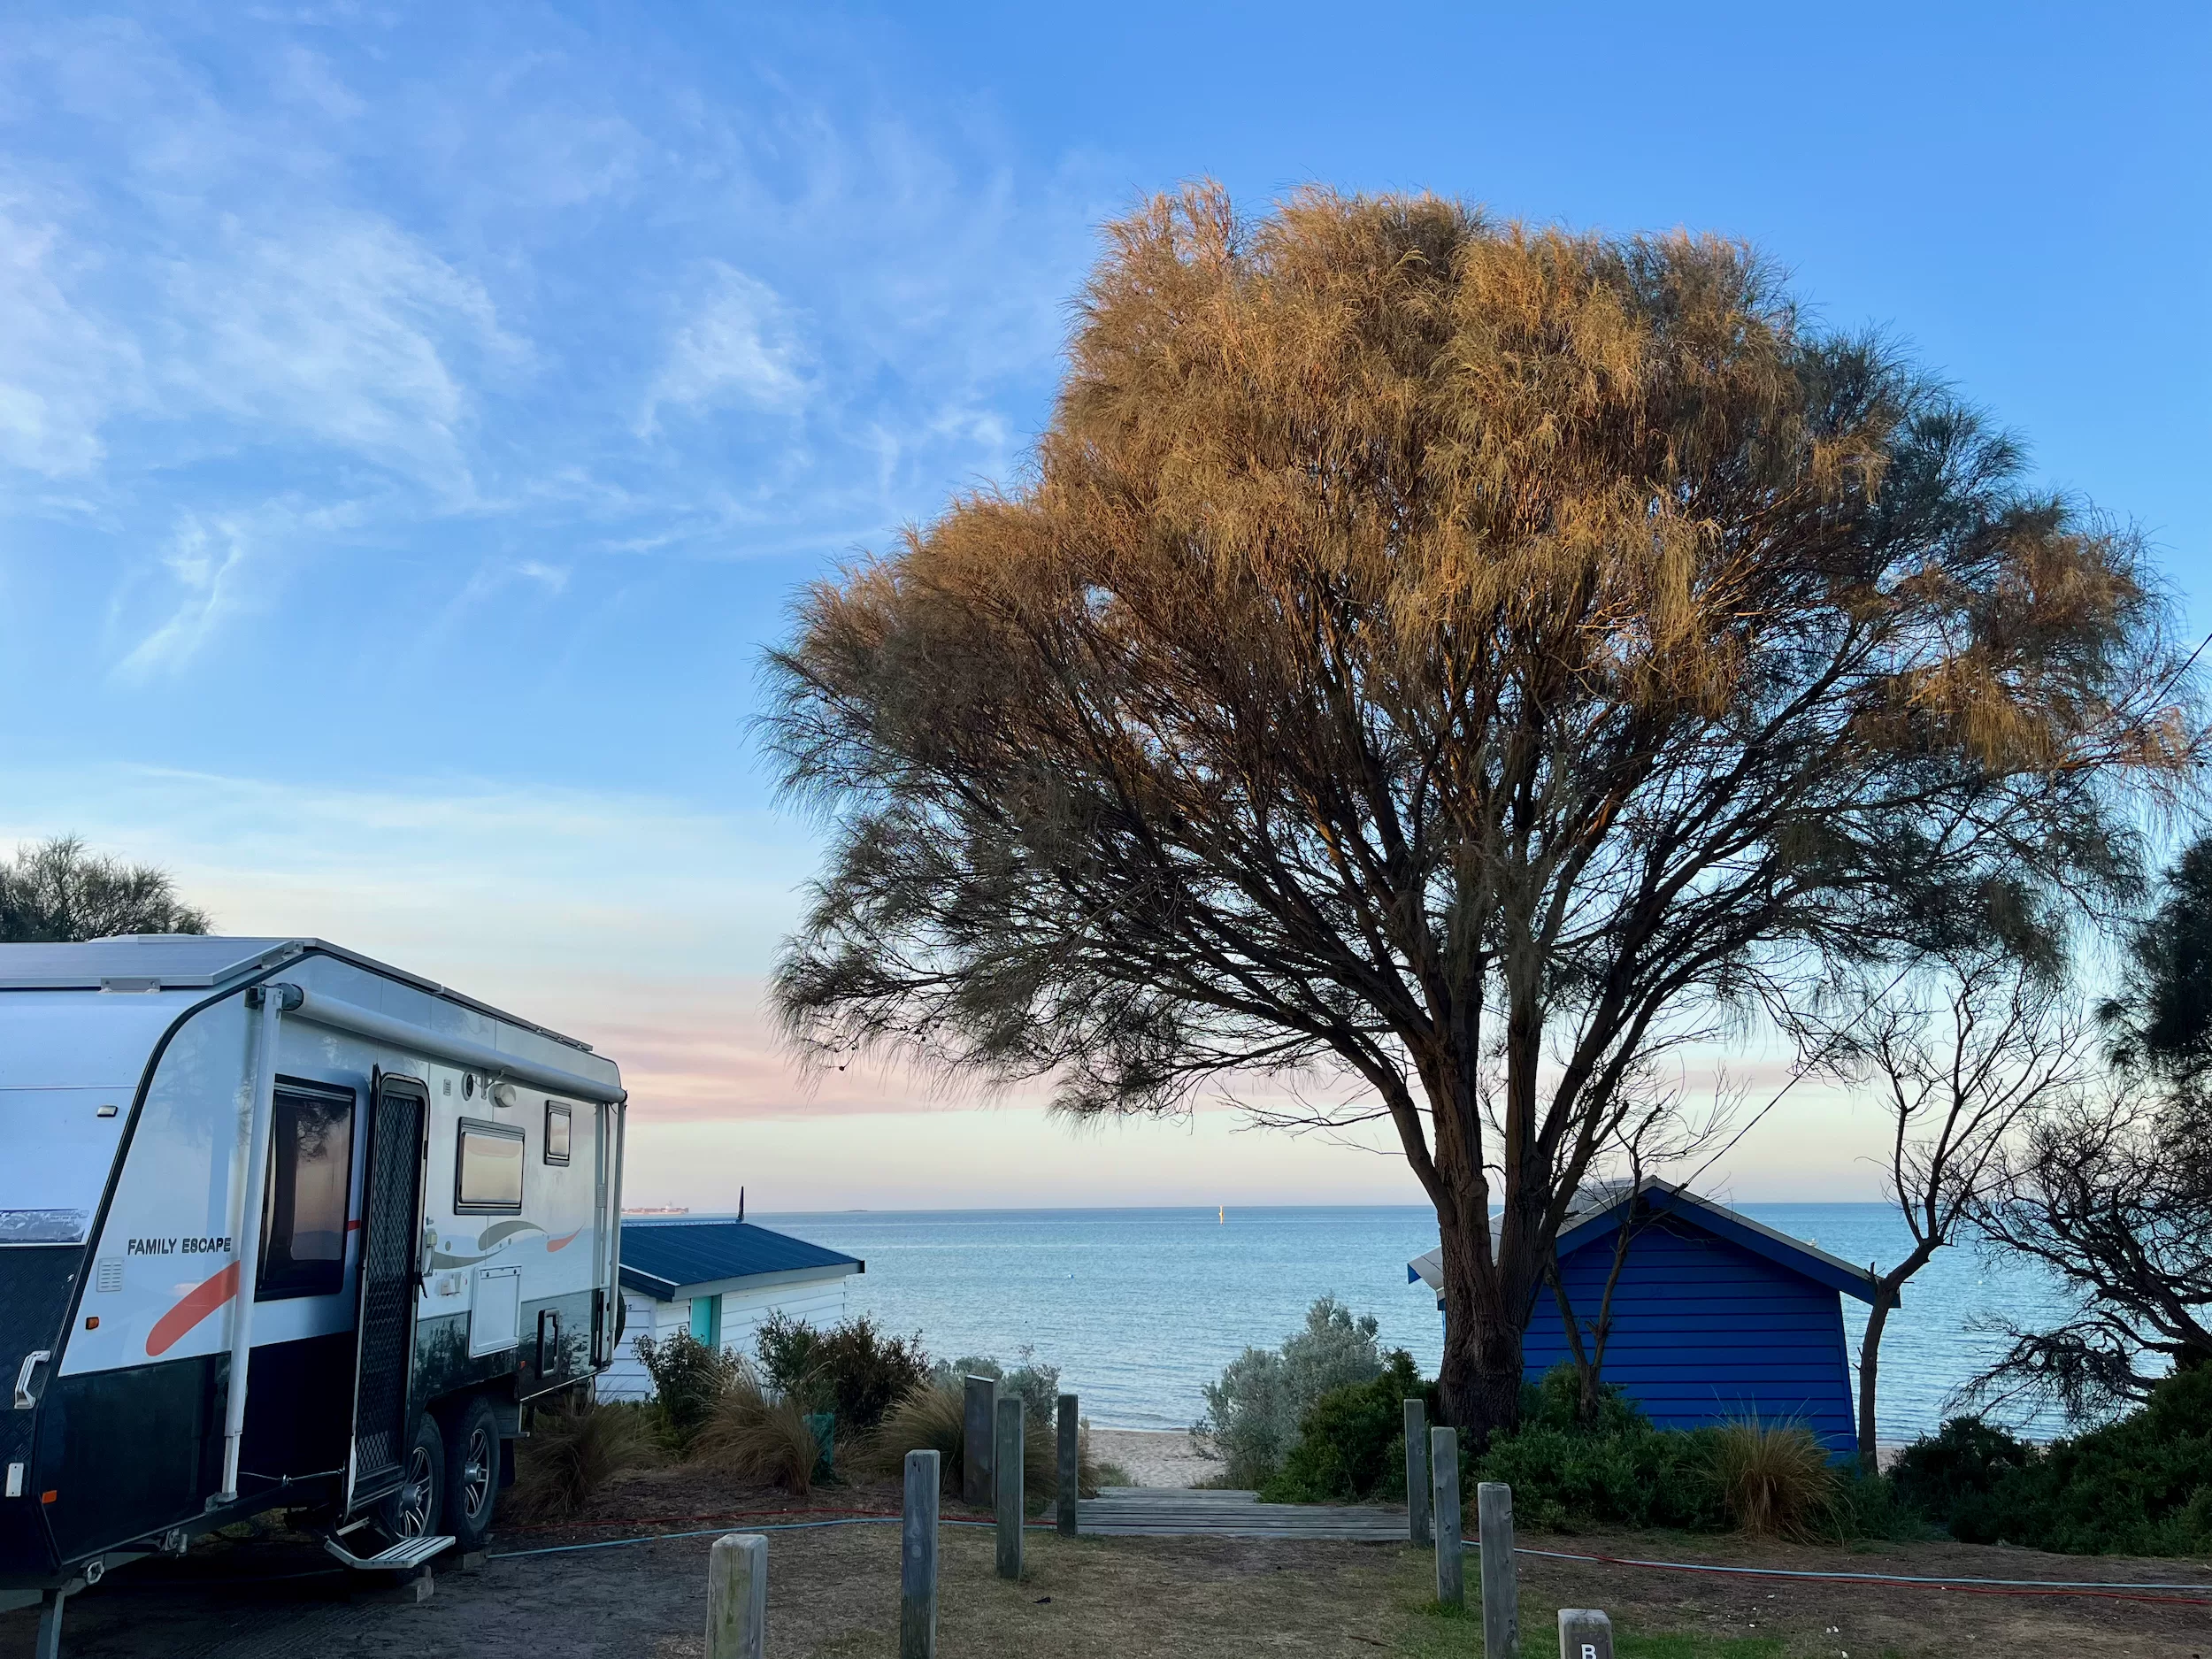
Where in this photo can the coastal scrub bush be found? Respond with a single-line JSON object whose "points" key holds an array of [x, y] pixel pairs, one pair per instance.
{"points": [[574, 1447], [1253, 1413], [852, 1369], [1351, 1442], [1613, 1470], [2140, 1485], [688, 1377], [868, 1372], [790, 1352], [1950, 1476]]}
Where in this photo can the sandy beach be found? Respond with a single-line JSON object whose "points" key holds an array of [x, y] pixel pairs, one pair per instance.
{"points": [[1154, 1457]]}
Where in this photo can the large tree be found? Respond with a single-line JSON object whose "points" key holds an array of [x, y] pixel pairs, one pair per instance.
{"points": [[1466, 657], [60, 890]]}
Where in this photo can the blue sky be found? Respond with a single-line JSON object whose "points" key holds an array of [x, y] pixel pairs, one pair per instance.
{"points": [[413, 421]]}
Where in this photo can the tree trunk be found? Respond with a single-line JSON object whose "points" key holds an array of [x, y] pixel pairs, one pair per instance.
{"points": [[1480, 1384], [1869, 1361]]}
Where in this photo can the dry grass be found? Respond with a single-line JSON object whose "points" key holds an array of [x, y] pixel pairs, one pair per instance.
{"points": [[751, 1433], [573, 1449], [934, 1419], [1775, 1478]]}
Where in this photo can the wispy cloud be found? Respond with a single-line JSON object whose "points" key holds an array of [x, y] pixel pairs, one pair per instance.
{"points": [[739, 346], [342, 333], [604, 305]]}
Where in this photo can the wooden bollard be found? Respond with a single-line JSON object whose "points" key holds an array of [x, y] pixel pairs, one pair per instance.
{"points": [[737, 1596], [1451, 1580], [1006, 1461], [1417, 1472], [1585, 1634], [1500, 1588], [1071, 1470], [918, 1558], [981, 1406]]}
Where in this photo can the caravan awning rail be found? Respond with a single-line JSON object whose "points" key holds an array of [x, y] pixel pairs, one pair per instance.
{"points": [[340, 1015]]}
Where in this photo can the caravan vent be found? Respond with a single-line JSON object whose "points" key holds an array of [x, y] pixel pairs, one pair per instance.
{"points": [[108, 1273]]}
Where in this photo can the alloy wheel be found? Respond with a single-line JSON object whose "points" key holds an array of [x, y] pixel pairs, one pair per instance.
{"points": [[415, 1497], [477, 1474]]}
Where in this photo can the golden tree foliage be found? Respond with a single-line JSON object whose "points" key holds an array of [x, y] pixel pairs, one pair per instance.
{"points": [[1463, 656]]}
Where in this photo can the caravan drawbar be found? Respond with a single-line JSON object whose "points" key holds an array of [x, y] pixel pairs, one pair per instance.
{"points": [[281, 1226]]}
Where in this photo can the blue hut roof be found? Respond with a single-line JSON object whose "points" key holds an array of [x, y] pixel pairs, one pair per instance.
{"points": [[1663, 1197], [673, 1261]]}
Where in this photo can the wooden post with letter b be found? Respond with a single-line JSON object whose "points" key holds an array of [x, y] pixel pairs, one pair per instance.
{"points": [[1585, 1634]]}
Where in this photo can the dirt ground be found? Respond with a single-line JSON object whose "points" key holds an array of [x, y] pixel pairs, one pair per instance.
{"points": [[834, 1592]]}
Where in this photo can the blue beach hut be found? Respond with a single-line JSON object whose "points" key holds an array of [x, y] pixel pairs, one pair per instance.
{"points": [[1714, 1316]]}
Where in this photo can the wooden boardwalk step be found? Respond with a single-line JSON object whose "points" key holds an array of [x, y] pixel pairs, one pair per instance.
{"points": [[1166, 1512]]}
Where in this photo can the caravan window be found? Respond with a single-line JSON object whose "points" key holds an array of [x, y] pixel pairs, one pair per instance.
{"points": [[310, 1176], [556, 1133], [487, 1173]]}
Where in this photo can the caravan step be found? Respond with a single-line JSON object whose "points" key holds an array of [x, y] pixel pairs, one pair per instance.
{"points": [[408, 1553]]}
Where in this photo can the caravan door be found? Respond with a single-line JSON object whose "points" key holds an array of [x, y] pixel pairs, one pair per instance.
{"points": [[391, 1247]]}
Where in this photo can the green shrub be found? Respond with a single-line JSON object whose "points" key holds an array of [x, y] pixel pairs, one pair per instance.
{"points": [[1953, 1473], [1253, 1413], [868, 1371], [852, 1370], [2140, 1485], [790, 1354], [1615, 1472], [688, 1377], [1351, 1445]]}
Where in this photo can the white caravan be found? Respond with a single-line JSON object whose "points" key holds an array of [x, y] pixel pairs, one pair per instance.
{"points": [[423, 1194]]}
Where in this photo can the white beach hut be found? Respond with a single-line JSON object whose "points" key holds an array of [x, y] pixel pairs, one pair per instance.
{"points": [[718, 1277]]}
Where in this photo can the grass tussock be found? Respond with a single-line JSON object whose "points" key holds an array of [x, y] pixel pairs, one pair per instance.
{"points": [[934, 1418], [1775, 1478], [750, 1432], [574, 1447]]}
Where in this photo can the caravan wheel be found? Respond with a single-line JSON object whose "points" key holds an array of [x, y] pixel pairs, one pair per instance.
{"points": [[471, 1484], [416, 1509]]}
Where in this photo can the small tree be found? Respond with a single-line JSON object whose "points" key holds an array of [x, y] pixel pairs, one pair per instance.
{"points": [[1253, 1413], [59, 891], [2114, 1192], [1976, 1042]]}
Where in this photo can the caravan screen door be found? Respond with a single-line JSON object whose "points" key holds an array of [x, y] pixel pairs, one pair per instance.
{"points": [[391, 1239]]}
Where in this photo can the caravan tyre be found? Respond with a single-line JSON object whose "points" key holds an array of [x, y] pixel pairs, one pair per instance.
{"points": [[415, 1509], [472, 1477]]}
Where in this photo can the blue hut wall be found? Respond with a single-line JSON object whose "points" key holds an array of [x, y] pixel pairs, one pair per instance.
{"points": [[1705, 1331]]}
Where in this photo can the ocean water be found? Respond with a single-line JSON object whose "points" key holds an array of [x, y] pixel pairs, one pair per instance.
{"points": [[1142, 1307]]}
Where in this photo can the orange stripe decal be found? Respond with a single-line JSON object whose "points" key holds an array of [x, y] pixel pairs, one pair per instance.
{"points": [[555, 1244], [196, 1305]]}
